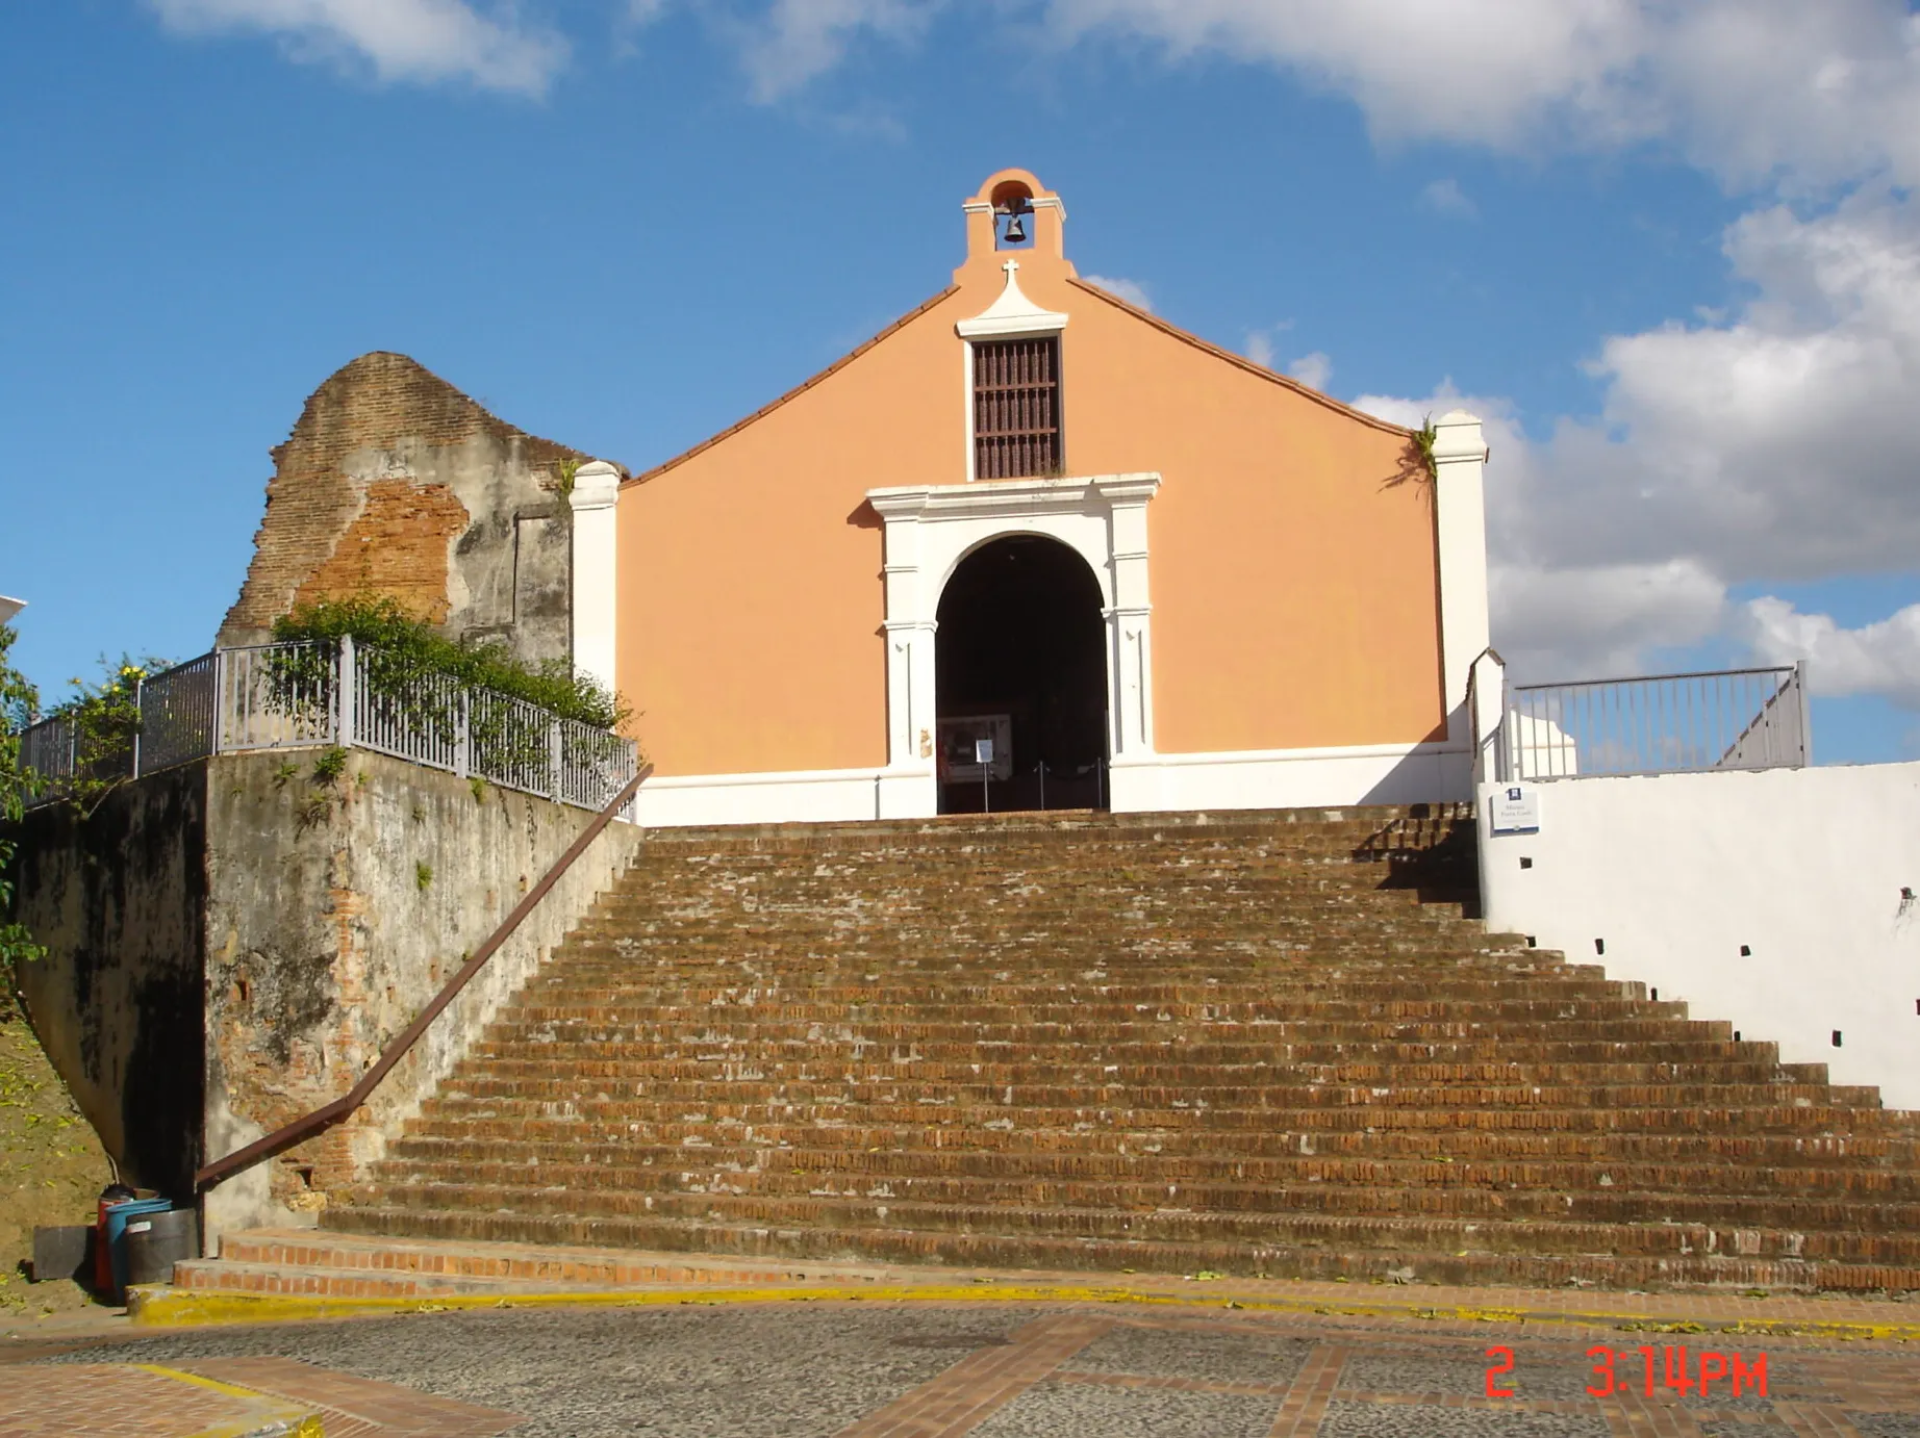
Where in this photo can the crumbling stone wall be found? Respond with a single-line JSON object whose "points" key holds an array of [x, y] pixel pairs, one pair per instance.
{"points": [[394, 482]]}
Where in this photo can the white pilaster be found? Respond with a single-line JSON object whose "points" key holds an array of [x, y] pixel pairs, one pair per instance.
{"points": [[595, 496], [1130, 622], [1459, 462]]}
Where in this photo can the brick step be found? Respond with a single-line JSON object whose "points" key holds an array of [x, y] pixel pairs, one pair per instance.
{"points": [[1080, 853], [854, 903], [1327, 1258], [1431, 1230], [1023, 1185], [1222, 1065], [1031, 950], [1045, 1091], [742, 1028], [1074, 828], [505, 1103], [281, 1280], [1025, 990], [1284, 888], [1866, 1153], [1287, 969], [1134, 1061], [313, 1263], [1055, 1157], [643, 985], [934, 1006]]}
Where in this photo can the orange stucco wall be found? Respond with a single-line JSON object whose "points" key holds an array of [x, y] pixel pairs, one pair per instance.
{"points": [[1294, 589]]}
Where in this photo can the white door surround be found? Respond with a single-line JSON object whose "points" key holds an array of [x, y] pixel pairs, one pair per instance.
{"points": [[931, 528]]}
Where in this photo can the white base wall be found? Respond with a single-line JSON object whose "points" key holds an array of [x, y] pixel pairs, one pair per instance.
{"points": [[815, 796], [1262, 779], [1295, 778], [1813, 870]]}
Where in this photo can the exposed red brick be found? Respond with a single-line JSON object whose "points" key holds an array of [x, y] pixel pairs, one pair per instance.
{"points": [[309, 545]]}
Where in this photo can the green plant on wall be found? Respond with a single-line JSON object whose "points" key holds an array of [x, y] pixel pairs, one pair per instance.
{"points": [[564, 473], [18, 701], [1416, 464], [330, 766], [104, 716], [423, 876], [1420, 445]]}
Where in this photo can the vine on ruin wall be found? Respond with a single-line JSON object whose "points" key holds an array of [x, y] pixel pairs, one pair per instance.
{"points": [[406, 664]]}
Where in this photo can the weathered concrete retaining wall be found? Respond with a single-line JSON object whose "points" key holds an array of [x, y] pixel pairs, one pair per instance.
{"points": [[119, 902], [336, 912], [233, 943]]}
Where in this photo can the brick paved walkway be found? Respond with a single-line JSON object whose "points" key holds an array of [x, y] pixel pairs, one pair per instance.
{"points": [[227, 1398], [1379, 1377], [943, 1369], [120, 1400]]}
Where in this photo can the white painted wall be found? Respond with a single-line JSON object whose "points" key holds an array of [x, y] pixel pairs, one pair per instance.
{"points": [[1675, 872]]}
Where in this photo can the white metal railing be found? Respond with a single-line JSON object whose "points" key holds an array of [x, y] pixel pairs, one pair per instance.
{"points": [[283, 696], [1663, 724]]}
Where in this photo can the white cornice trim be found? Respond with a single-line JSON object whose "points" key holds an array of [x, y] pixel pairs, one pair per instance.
{"points": [[1012, 497]]}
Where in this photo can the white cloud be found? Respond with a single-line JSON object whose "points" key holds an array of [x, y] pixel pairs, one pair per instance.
{"points": [[1747, 89], [1312, 370], [1881, 658], [398, 39], [1262, 346], [1445, 197], [794, 41], [1770, 443], [1132, 291], [1778, 441]]}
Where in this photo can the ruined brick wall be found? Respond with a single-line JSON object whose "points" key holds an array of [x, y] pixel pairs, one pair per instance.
{"points": [[394, 482]]}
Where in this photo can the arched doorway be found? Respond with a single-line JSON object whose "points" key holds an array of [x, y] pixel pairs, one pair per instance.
{"points": [[1020, 661]]}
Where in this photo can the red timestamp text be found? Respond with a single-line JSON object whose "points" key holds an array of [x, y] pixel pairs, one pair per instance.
{"points": [[1647, 1369]]}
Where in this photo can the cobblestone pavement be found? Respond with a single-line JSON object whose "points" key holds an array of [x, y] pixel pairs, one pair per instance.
{"points": [[917, 1370]]}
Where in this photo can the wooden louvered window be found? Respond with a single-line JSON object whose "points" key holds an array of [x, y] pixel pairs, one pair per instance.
{"points": [[1016, 408]]}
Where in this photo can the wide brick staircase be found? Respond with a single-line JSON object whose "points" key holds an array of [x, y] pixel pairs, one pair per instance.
{"points": [[1253, 1044]]}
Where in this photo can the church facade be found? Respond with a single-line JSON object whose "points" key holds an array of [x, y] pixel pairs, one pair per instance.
{"points": [[1030, 547]]}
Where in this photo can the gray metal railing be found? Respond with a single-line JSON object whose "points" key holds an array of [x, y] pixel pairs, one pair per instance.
{"points": [[286, 696], [1663, 724]]}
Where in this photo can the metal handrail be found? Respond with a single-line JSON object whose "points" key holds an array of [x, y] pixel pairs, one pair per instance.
{"points": [[1657, 678], [1697, 722], [329, 1114]]}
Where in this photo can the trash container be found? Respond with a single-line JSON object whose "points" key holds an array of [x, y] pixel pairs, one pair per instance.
{"points": [[154, 1242], [118, 1216], [112, 1194]]}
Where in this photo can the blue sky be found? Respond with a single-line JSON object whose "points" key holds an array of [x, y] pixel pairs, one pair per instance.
{"points": [[1668, 250]]}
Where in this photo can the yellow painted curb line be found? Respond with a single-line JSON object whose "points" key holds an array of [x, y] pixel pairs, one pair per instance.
{"points": [[166, 1307], [290, 1420]]}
